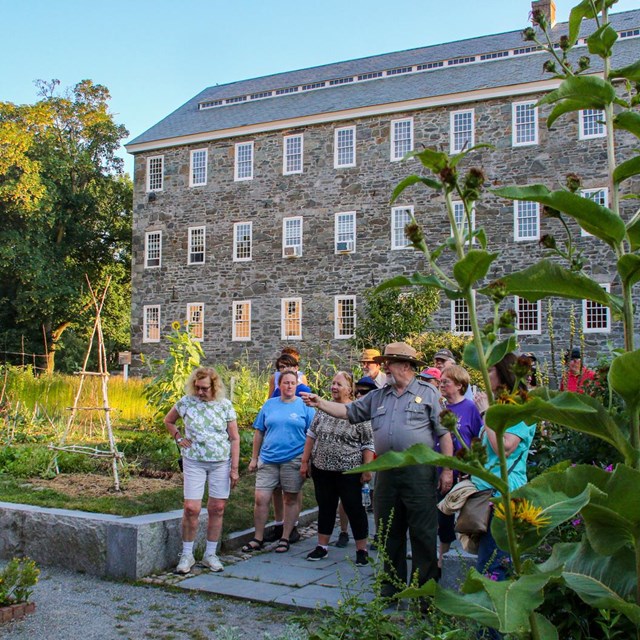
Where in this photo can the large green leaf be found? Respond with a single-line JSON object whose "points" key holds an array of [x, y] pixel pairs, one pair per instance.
{"points": [[629, 268], [546, 630], [547, 278], [432, 159], [594, 218], [499, 350], [421, 454], [473, 267], [418, 280], [612, 518], [630, 72], [633, 231], [626, 170], [567, 106], [565, 409], [599, 423], [591, 91], [411, 180], [629, 121], [624, 377], [584, 9], [601, 41], [603, 582], [504, 605], [557, 507]]}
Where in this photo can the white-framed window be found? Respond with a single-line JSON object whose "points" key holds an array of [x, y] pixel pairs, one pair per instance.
{"points": [[242, 241], [345, 317], [591, 124], [461, 218], [241, 321], [292, 147], [596, 317], [291, 319], [528, 316], [345, 232], [155, 173], [462, 132], [460, 317], [151, 323], [344, 147], [599, 196], [152, 249], [526, 220], [401, 138], [195, 320], [196, 245], [244, 161], [198, 168], [292, 237], [400, 218], [524, 123]]}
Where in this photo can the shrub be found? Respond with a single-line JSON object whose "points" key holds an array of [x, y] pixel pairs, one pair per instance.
{"points": [[16, 580]]}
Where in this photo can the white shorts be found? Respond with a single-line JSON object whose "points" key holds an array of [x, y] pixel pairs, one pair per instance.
{"points": [[216, 474]]}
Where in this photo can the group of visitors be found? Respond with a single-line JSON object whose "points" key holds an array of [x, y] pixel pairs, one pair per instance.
{"points": [[298, 434]]}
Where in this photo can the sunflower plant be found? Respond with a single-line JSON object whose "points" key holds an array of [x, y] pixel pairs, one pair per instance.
{"points": [[603, 567]]}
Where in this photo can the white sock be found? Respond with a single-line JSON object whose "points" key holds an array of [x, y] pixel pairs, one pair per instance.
{"points": [[212, 546], [187, 547], [324, 546]]}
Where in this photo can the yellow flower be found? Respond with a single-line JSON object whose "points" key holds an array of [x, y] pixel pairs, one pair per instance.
{"points": [[175, 325], [523, 511]]}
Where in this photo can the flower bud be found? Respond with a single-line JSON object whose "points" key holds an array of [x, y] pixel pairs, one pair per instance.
{"points": [[584, 62], [547, 241], [573, 182], [449, 420], [549, 66], [529, 34]]}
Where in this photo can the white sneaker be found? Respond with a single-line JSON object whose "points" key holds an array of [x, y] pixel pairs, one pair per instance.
{"points": [[212, 561], [186, 562]]}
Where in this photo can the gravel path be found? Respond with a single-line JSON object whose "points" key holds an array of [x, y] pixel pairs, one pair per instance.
{"points": [[72, 606]]}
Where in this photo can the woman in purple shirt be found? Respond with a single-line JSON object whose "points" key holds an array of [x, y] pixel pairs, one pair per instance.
{"points": [[454, 382]]}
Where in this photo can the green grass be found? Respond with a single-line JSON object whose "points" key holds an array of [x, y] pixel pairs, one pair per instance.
{"points": [[238, 513]]}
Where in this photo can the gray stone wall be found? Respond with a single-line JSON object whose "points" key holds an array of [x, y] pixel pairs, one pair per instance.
{"points": [[320, 192]]}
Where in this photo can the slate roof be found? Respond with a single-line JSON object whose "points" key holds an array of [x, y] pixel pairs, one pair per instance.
{"points": [[501, 72]]}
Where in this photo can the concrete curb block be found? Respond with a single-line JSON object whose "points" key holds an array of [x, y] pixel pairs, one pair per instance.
{"points": [[101, 544]]}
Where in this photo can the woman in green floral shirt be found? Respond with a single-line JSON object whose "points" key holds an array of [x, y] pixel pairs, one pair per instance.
{"points": [[210, 453]]}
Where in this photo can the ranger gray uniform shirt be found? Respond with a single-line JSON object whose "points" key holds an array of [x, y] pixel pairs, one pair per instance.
{"points": [[400, 421]]}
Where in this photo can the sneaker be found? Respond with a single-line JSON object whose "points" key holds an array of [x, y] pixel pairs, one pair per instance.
{"points": [[212, 561], [343, 540], [294, 536], [186, 562], [317, 554], [276, 534], [362, 558]]}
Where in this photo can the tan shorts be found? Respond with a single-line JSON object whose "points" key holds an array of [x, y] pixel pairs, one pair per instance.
{"points": [[284, 474]]}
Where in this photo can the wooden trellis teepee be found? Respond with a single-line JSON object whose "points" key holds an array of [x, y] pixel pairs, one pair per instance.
{"points": [[103, 373]]}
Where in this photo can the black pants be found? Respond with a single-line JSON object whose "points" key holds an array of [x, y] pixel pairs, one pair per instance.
{"points": [[406, 498], [331, 486]]}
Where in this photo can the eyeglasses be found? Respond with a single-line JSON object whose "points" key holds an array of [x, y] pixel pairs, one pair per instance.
{"points": [[199, 388]]}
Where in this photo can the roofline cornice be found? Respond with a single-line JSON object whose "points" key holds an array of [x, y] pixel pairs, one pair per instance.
{"points": [[349, 114]]}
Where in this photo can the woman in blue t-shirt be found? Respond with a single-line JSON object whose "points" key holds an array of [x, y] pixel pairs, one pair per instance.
{"points": [[280, 431], [517, 441]]}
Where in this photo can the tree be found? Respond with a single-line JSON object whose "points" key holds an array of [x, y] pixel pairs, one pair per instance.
{"points": [[393, 315], [66, 208]]}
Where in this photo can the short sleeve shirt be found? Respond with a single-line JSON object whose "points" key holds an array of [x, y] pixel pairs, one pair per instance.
{"points": [[400, 421], [516, 462], [338, 444], [206, 426]]}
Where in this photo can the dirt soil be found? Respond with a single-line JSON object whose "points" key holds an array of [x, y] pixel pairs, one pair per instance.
{"points": [[95, 486]]}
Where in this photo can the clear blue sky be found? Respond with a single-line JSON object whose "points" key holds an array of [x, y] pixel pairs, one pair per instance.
{"points": [[154, 55]]}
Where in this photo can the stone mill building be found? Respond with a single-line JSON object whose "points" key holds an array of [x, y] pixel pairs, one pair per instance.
{"points": [[262, 207]]}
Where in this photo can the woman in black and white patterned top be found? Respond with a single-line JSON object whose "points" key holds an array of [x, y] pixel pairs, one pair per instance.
{"points": [[332, 447]]}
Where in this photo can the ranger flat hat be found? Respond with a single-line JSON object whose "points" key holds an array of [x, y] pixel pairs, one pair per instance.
{"points": [[400, 352]]}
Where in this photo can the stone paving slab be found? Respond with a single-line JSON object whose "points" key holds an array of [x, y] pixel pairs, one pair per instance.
{"points": [[278, 573], [237, 587]]}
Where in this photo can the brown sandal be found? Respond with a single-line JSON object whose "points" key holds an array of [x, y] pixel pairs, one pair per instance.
{"points": [[282, 546], [253, 545]]}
